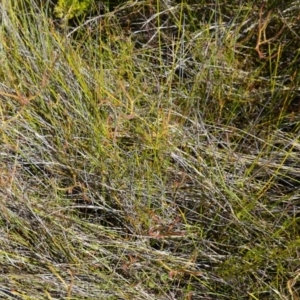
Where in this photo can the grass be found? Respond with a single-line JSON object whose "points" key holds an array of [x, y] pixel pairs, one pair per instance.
{"points": [[150, 153]]}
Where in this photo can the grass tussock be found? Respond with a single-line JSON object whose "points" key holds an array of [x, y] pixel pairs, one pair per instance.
{"points": [[151, 152]]}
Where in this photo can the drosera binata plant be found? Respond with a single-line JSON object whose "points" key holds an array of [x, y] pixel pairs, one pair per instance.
{"points": [[123, 179]]}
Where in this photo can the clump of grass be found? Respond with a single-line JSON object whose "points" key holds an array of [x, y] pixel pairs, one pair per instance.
{"points": [[150, 159]]}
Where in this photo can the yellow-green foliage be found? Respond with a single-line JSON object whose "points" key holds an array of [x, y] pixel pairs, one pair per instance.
{"points": [[72, 8]]}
